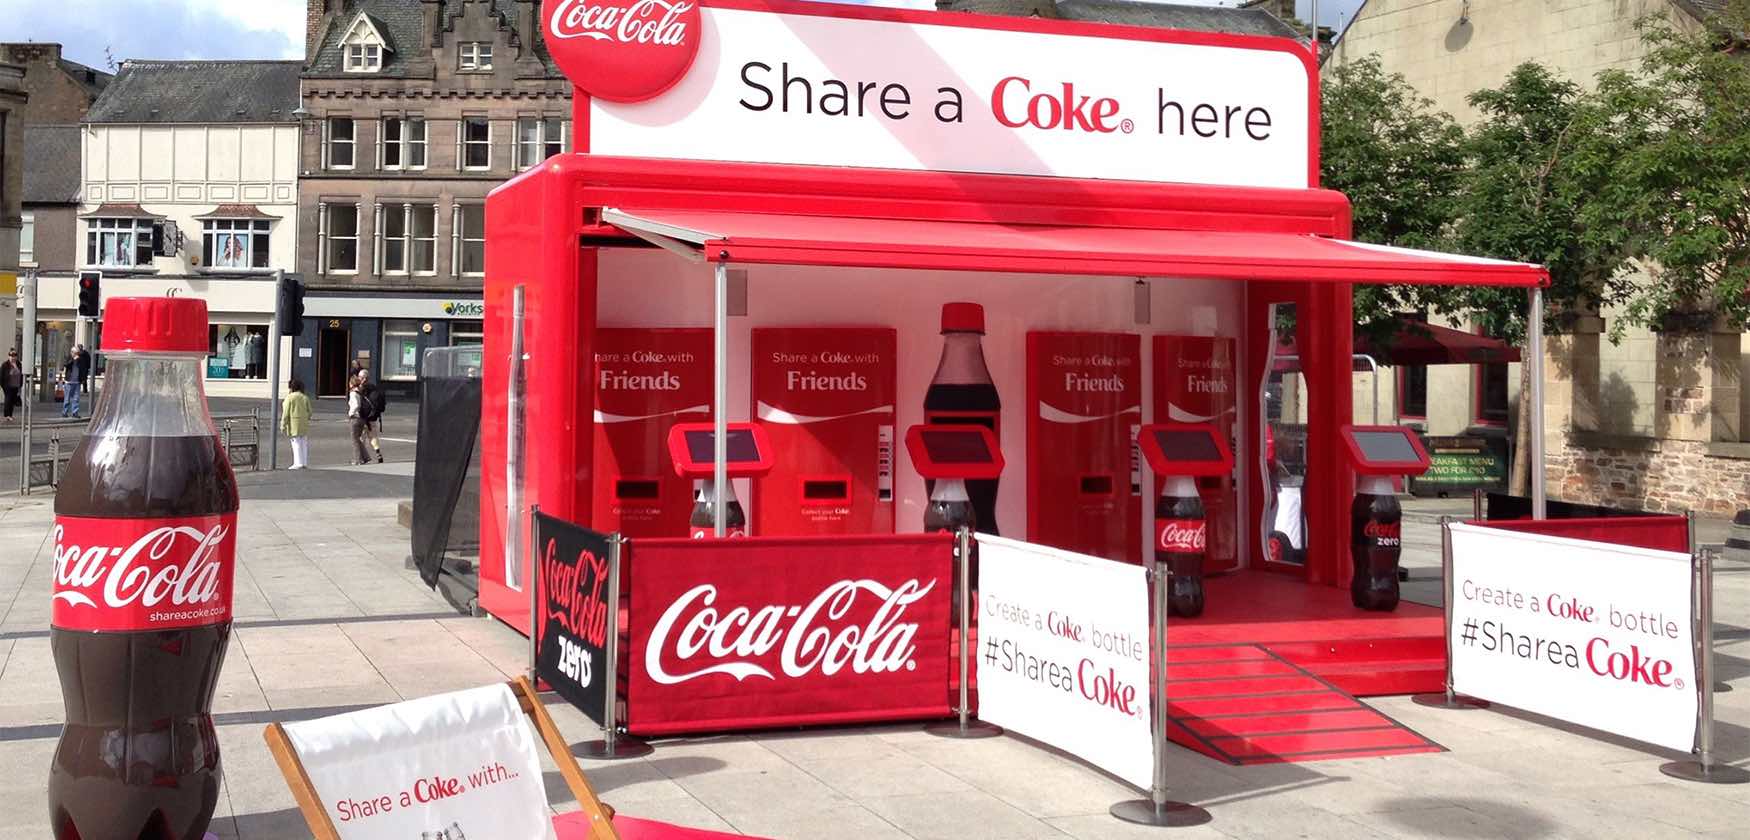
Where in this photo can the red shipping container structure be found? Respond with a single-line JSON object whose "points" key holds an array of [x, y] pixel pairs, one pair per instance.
{"points": [[753, 166]]}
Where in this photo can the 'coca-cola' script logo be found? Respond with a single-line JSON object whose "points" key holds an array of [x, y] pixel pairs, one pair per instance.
{"points": [[143, 574], [623, 50], [809, 637], [1385, 534], [1181, 536]]}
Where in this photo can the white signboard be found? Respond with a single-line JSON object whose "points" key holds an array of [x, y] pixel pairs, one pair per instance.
{"points": [[1063, 653], [893, 94], [462, 763], [1590, 633]]}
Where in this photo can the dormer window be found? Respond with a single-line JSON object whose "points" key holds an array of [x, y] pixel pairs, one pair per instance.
{"points": [[474, 57], [363, 48]]}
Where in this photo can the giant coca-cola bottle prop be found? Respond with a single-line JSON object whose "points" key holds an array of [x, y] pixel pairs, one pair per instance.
{"points": [[1376, 541], [1181, 540], [962, 394], [145, 539], [703, 525]]}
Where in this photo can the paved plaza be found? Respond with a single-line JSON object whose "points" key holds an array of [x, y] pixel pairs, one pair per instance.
{"points": [[329, 620]]}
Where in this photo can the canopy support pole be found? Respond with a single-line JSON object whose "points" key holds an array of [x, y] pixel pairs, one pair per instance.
{"points": [[720, 412], [1534, 401]]}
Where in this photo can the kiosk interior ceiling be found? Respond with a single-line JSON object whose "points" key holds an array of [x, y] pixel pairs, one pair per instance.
{"points": [[947, 446], [742, 448]]}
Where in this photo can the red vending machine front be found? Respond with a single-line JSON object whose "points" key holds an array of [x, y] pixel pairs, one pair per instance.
{"points": [[1084, 475], [647, 380], [1196, 380], [826, 397]]}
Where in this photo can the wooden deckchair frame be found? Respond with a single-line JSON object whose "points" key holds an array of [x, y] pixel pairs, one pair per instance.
{"points": [[600, 816]]}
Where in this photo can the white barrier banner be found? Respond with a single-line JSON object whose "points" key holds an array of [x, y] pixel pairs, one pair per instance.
{"points": [[460, 765], [1591, 633], [1063, 653]]}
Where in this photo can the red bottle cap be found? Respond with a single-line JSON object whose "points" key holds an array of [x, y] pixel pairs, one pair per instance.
{"points": [[155, 325], [962, 317]]}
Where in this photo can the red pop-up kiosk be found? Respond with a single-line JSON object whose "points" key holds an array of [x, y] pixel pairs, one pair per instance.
{"points": [[767, 169]]}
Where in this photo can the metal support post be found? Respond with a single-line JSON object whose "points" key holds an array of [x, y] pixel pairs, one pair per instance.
{"points": [[1703, 768], [614, 745], [535, 618], [1448, 699], [1534, 400], [273, 371], [1157, 809], [964, 726], [1476, 504], [720, 393]]}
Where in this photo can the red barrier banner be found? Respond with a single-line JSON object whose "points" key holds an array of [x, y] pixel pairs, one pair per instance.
{"points": [[1660, 533], [783, 631]]}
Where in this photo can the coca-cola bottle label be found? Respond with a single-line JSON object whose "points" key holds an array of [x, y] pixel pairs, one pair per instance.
{"points": [[123, 575], [1384, 534], [707, 532], [1180, 536]]}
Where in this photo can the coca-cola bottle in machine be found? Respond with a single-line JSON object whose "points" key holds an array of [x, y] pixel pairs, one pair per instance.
{"points": [[703, 524], [1181, 540], [1376, 541], [962, 394], [145, 539]]}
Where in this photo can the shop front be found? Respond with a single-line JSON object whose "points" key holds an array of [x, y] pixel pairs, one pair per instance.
{"points": [[385, 335]]}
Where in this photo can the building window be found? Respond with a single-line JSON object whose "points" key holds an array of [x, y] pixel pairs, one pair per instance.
{"points": [[27, 241], [125, 243], [1492, 405], [342, 226], [467, 333], [407, 239], [1412, 392], [404, 143], [475, 56], [234, 243], [364, 58], [539, 139], [476, 137], [239, 351], [473, 237], [338, 151], [400, 350]]}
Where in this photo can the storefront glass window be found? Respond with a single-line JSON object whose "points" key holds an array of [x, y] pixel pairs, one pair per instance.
{"points": [[466, 333], [474, 239], [400, 350], [237, 351]]}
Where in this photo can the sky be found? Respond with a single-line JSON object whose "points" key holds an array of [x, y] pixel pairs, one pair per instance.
{"points": [[172, 29]]}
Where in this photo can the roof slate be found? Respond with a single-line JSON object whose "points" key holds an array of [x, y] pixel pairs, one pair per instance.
{"points": [[51, 164], [401, 23], [200, 92], [1171, 16]]}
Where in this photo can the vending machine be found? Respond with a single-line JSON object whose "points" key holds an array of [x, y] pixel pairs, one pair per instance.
{"points": [[647, 380], [1084, 474], [1196, 380], [826, 398]]}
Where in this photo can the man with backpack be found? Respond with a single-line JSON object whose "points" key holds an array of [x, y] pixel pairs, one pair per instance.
{"points": [[365, 403]]}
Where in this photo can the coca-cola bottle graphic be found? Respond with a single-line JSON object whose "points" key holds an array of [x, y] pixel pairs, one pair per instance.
{"points": [[950, 507], [145, 539], [962, 394], [1181, 539], [1375, 542], [703, 525]]}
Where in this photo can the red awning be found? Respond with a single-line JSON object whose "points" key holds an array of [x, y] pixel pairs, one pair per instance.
{"points": [[1416, 343], [781, 239]]}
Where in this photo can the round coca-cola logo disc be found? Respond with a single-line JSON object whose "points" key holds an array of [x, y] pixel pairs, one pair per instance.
{"points": [[623, 50]]}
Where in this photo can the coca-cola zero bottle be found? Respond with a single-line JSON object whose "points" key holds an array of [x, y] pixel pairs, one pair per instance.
{"points": [[145, 539], [703, 525], [1181, 540], [1375, 543], [962, 394]]}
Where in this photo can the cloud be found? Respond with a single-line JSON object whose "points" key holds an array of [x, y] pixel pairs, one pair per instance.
{"points": [[164, 29]]}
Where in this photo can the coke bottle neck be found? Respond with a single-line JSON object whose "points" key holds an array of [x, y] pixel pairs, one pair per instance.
{"points": [[708, 491], [1373, 485], [962, 360], [1178, 486], [153, 395], [950, 490]]}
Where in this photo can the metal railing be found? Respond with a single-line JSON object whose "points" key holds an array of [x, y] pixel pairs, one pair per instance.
{"points": [[239, 434]]}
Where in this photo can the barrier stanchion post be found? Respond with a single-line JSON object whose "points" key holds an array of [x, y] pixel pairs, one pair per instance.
{"points": [[1703, 768], [1448, 699], [1476, 504], [964, 726], [535, 598], [613, 745], [1157, 809]]}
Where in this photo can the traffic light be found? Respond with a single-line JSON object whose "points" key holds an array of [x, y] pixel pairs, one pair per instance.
{"points": [[90, 295], [290, 307]]}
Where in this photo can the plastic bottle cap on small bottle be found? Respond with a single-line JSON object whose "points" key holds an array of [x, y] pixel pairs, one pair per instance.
{"points": [[963, 317], [155, 325]]}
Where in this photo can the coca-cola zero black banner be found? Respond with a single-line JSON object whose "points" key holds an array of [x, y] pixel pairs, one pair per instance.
{"points": [[572, 568]]}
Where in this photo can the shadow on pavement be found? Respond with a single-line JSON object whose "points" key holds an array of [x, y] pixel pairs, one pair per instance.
{"points": [[316, 483], [1433, 818], [606, 778]]}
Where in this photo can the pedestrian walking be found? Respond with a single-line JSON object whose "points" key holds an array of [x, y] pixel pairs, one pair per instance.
{"points": [[11, 382], [364, 409], [295, 422], [75, 374]]}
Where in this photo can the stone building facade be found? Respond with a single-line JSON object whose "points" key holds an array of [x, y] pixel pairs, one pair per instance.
{"points": [[1650, 421], [60, 91], [13, 101], [413, 111]]}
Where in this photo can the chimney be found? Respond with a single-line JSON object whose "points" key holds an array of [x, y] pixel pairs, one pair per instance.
{"points": [[314, 13], [528, 14], [433, 16]]}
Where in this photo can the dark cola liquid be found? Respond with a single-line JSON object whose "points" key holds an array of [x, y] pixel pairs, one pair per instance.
{"points": [[1185, 589], [139, 759], [1375, 523], [979, 405]]}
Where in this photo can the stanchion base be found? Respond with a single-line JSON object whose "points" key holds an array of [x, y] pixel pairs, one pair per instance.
{"points": [[1722, 687], [1695, 771], [624, 747], [1438, 700], [1169, 815], [974, 729]]}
